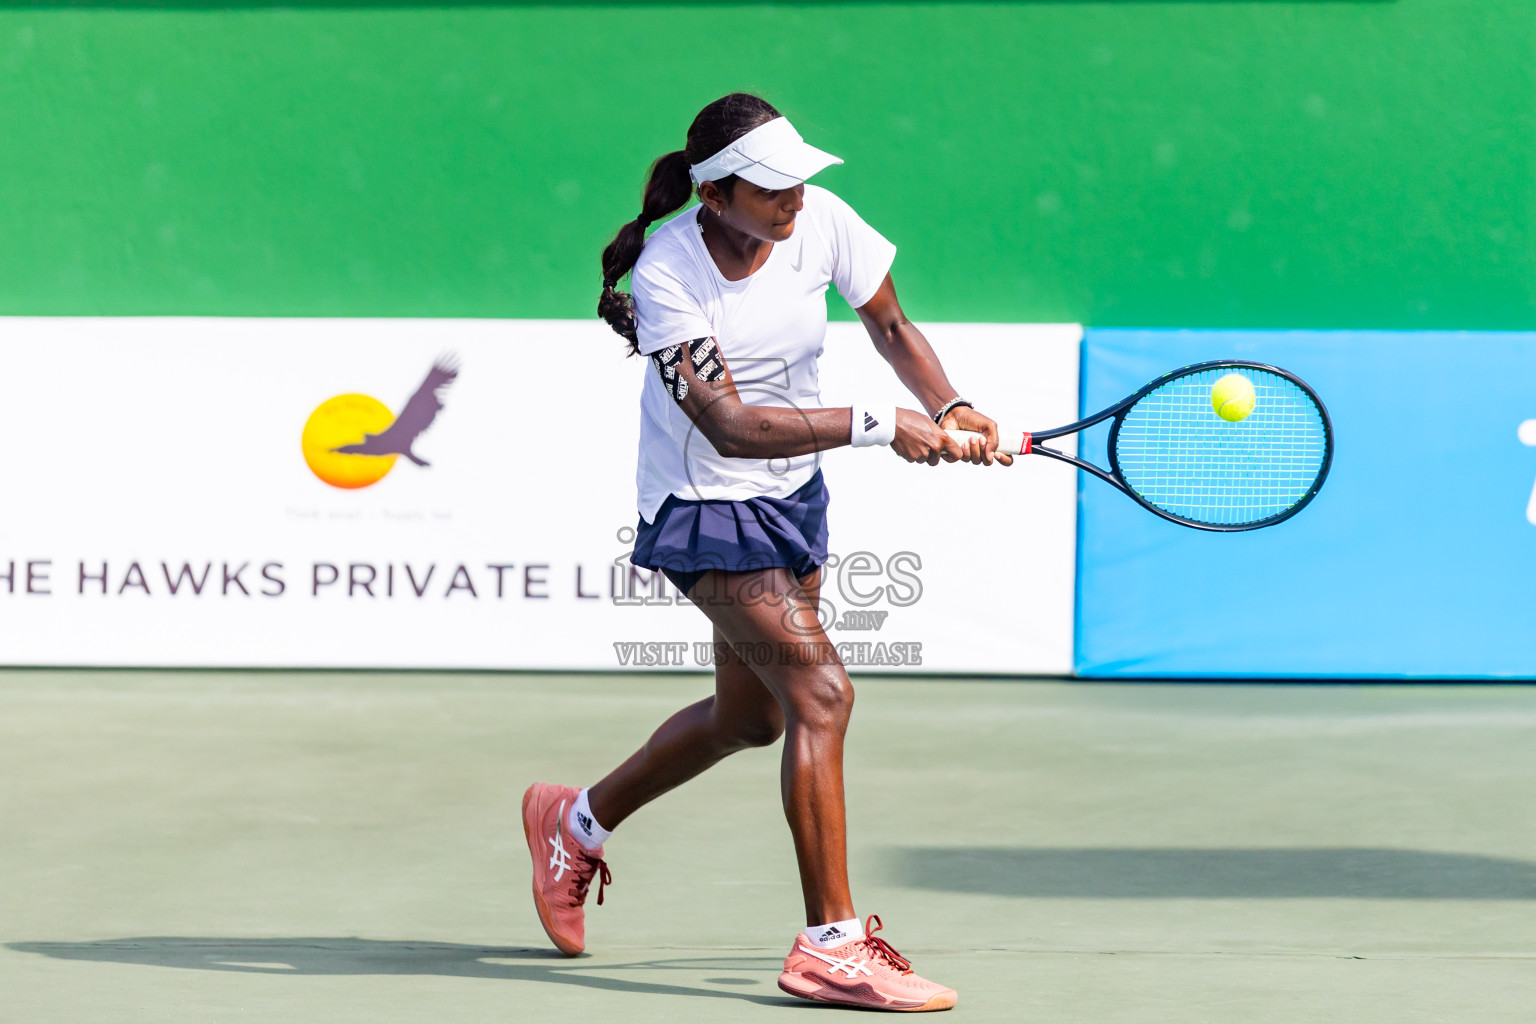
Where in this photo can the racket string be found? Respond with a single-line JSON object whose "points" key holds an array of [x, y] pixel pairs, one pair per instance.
{"points": [[1176, 453]]}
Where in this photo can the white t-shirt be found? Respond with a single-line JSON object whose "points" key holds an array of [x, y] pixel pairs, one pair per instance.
{"points": [[769, 326]]}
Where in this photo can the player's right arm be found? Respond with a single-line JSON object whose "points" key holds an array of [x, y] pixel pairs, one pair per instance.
{"points": [[697, 378]]}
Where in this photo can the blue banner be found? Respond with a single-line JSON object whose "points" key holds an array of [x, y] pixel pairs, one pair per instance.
{"points": [[1417, 558]]}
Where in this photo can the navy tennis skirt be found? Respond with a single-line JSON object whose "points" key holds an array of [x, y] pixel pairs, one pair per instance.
{"points": [[689, 538]]}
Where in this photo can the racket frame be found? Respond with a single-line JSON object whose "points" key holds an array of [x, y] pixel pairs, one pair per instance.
{"points": [[1112, 476]]}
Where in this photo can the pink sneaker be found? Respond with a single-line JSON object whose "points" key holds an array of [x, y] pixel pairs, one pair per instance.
{"points": [[866, 972], [563, 869]]}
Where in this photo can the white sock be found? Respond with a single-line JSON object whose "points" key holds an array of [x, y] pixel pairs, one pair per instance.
{"points": [[830, 936], [583, 826]]}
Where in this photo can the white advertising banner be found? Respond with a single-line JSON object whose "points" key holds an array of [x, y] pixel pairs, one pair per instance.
{"points": [[459, 494]]}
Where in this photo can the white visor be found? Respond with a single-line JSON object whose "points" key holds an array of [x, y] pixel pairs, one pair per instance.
{"points": [[771, 156]]}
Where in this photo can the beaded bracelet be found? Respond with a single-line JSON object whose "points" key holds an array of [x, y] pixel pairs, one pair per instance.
{"points": [[949, 407]]}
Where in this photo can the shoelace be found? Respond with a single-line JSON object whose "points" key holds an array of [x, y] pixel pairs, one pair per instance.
{"points": [[581, 877], [879, 947], [596, 867]]}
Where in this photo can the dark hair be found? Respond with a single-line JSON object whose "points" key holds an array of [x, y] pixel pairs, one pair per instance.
{"points": [[667, 189]]}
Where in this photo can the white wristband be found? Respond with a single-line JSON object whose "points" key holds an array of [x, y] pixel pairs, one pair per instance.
{"points": [[873, 424]]}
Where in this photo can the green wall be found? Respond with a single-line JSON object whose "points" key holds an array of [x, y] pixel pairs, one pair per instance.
{"points": [[1329, 164]]}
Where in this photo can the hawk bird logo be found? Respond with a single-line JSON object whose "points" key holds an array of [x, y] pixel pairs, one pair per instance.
{"points": [[414, 419]]}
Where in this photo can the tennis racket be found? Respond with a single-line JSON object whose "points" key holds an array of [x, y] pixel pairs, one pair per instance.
{"points": [[1172, 453]]}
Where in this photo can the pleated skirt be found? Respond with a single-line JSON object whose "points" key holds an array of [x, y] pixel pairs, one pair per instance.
{"points": [[690, 537]]}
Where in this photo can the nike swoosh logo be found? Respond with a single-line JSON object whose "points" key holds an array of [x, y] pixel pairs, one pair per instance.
{"points": [[799, 257]]}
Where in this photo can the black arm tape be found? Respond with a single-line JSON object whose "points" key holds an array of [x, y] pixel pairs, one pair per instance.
{"points": [[707, 366]]}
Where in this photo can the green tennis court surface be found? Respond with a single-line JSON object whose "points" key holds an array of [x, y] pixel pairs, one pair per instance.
{"points": [[285, 847]]}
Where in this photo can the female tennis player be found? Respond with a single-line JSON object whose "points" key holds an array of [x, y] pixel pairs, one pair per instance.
{"points": [[729, 305]]}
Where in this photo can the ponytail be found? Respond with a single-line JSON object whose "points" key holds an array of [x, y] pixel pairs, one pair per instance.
{"points": [[666, 190]]}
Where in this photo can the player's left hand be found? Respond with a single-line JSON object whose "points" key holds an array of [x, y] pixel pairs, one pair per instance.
{"points": [[965, 418]]}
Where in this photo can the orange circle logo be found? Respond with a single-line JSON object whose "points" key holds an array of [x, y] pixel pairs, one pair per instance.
{"points": [[352, 441], [342, 422]]}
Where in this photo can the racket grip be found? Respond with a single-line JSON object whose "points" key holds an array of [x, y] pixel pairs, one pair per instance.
{"points": [[1009, 442]]}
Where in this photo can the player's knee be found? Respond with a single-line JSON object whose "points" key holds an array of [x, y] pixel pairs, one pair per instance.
{"points": [[823, 700], [761, 732]]}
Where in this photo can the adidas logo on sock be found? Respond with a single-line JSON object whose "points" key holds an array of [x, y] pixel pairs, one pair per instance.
{"points": [[831, 933], [870, 423], [585, 823]]}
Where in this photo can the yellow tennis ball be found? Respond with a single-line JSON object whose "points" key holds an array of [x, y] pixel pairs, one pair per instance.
{"points": [[1232, 397]]}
